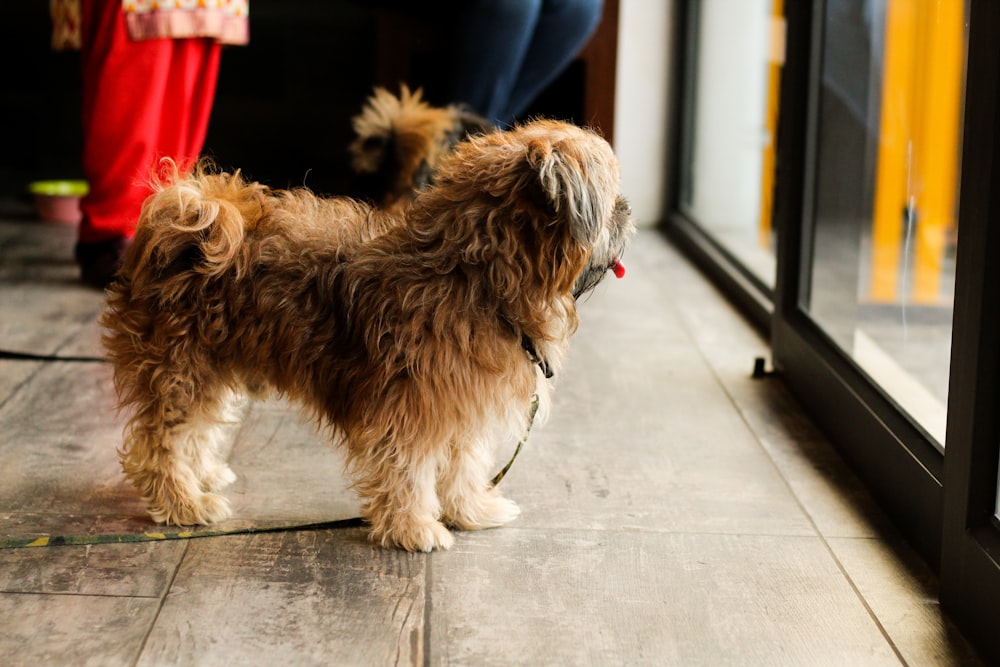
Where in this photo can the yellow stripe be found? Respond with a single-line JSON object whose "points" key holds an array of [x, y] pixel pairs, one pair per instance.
{"points": [[40, 542]]}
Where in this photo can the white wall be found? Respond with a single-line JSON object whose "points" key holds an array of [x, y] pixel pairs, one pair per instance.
{"points": [[641, 129]]}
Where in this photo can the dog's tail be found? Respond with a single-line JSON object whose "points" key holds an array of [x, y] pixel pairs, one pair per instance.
{"points": [[400, 139], [197, 222]]}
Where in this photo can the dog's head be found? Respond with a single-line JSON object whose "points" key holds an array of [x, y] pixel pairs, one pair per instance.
{"points": [[399, 141], [538, 207]]}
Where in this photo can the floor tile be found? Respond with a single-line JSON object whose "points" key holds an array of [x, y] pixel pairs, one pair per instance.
{"points": [[642, 433], [136, 570], [60, 441], [303, 598], [833, 497], [70, 630], [903, 595], [679, 458], [287, 469], [520, 597], [40, 282]]}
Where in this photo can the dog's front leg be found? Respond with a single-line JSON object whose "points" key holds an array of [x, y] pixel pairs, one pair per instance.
{"points": [[469, 501], [400, 501]]}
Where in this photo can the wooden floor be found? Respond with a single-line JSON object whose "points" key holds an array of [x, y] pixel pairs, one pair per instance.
{"points": [[675, 512]]}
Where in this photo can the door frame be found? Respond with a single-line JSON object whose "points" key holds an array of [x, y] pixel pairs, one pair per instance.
{"points": [[970, 563]]}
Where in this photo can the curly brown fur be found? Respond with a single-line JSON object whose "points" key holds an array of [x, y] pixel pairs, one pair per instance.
{"points": [[400, 331], [399, 141]]}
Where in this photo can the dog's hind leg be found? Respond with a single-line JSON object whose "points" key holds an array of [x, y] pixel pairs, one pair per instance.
{"points": [[171, 455], [469, 501]]}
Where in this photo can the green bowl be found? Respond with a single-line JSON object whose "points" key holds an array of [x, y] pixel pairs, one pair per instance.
{"points": [[59, 201], [59, 188]]}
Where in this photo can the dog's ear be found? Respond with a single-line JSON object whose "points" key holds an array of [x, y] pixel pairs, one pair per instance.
{"points": [[574, 182]]}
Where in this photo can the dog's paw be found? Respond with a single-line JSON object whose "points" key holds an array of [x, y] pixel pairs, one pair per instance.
{"points": [[218, 478], [422, 536], [429, 537], [485, 511], [204, 509]]}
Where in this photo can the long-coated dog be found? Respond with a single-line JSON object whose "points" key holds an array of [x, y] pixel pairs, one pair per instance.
{"points": [[415, 335]]}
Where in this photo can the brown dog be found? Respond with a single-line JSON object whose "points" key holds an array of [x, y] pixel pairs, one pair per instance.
{"points": [[403, 331]]}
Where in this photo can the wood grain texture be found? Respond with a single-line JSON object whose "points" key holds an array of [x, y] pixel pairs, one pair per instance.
{"points": [[61, 434], [123, 570], [683, 461], [309, 598], [39, 281], [70, 630]]}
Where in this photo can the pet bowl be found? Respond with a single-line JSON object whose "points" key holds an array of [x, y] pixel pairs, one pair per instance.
{"points": [[59, 201]]}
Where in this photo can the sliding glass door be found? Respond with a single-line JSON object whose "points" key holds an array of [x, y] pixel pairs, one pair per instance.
{"points": [[884, 205], [839, 176]]}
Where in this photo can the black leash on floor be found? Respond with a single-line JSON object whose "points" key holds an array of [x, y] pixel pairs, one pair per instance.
{"points": [[152, 536], [11, 355]]}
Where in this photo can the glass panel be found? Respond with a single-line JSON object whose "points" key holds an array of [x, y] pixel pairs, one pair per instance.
{"points": [[727, 184], [886, 193]]}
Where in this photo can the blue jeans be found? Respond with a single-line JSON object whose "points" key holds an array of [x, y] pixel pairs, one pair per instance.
{"points": [[508, 51]]}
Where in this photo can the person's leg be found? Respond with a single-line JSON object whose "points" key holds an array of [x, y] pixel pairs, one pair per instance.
{"points": [[564, 27], [491, 39], [142, 100], [188, 104], [123, 89]]}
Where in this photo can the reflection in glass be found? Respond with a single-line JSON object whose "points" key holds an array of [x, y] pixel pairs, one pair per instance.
{"points": [[726, 187], [885, 202]]}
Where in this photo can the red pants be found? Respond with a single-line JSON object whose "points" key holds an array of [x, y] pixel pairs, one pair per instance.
{"points": [[142, 100]]}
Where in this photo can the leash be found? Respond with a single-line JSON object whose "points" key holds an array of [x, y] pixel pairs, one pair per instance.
{"points": [[131, 538], [528, 346], [531, 418], [11, 355]]}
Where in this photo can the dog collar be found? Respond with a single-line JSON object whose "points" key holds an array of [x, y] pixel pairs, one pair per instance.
{"points": [[529, 348]]}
